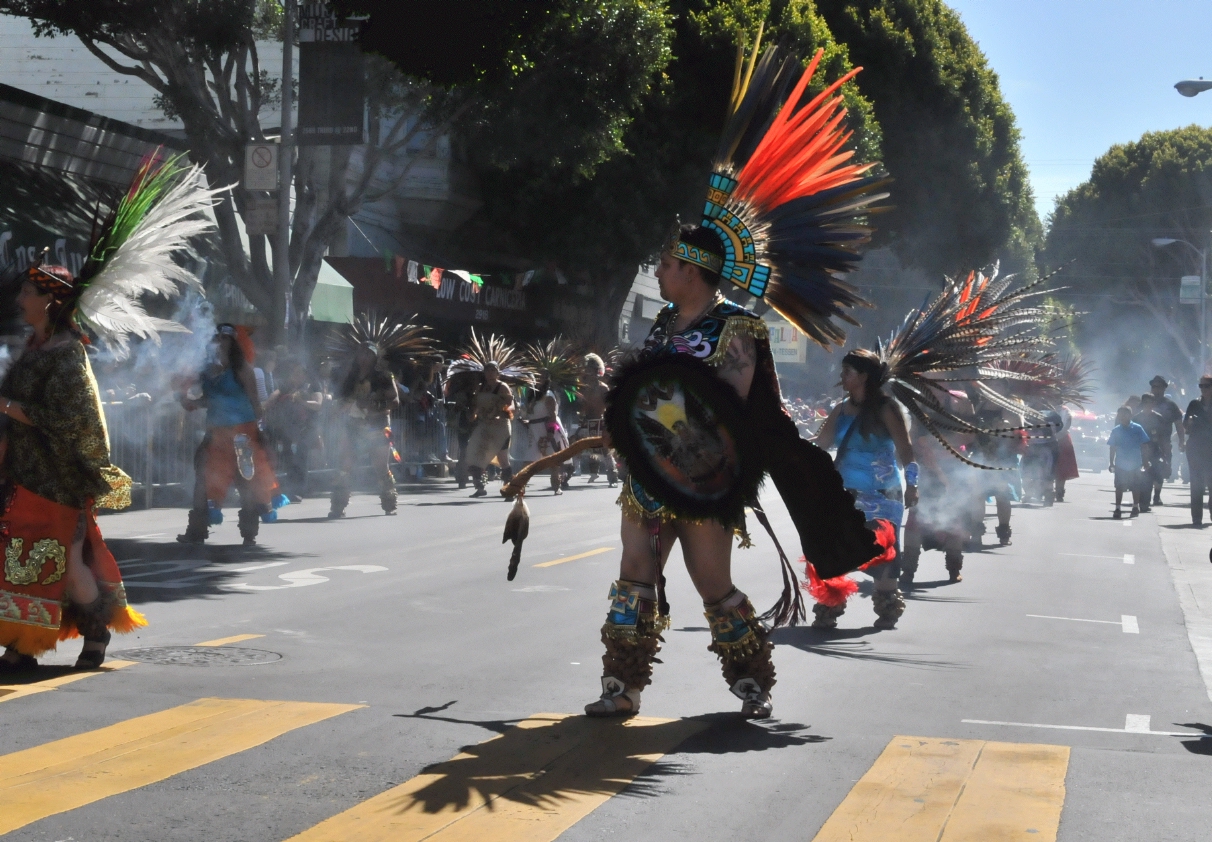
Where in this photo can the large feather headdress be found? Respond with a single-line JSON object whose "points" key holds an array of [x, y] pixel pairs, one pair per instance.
{"points": [[479, 351], [982, 331], [558, 361], [784, 197], [397, 342], [133, 252]]}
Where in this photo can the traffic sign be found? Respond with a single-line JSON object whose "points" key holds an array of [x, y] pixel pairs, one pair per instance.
{"points": [[260, 215], [1189, 289], [261, 166]]}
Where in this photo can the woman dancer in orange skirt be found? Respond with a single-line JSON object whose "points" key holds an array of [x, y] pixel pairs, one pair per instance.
{"points": [[59, 580]]}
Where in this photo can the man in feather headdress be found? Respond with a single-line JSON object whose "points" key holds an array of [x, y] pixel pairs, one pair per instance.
{"points": [[697, 416], [591, 408], [367, 392]]}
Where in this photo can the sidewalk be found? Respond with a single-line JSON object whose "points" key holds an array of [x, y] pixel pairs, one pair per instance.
{"points": [[1186, 552]]}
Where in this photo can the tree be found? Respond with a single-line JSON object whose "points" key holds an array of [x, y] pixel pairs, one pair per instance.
{"points": [[200, 58], [1158, 186], [960, 190], [600, 206]]}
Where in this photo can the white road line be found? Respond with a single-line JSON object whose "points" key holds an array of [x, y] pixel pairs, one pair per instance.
{"points": [[1127, 523], [1090, 728], [1129, 558], [1137, 723], [1129, 623], [1077, 619], [303, 578], [1083, 555]]}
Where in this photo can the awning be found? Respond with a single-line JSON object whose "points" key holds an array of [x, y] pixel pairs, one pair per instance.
{"points": [[332, 300]]}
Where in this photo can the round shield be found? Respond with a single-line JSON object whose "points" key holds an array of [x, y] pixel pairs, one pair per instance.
{"points": [[681, 431]]}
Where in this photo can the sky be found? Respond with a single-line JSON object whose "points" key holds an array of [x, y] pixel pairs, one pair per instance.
{"points": [[1083, 75]]}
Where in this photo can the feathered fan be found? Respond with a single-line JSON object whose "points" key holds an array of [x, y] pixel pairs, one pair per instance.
{"points": [[978, 331], [559, 362], [133, 252], [514, 368], [397, 341], [784, 199]]}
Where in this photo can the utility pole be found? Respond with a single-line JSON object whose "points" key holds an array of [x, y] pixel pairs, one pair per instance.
{"points": [[1203, 311], [282, 276]]}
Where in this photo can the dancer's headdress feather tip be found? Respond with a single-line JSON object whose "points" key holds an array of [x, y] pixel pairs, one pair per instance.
{"points": [[783, 199]]}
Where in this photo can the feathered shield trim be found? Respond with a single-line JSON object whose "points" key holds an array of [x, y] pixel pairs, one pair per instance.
{"points": [[515, 369], [397, 341], [784, 198], [136, 252], [558, 362], [682, 432]]}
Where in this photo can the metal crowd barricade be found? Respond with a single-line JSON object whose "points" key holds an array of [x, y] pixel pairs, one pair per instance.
{"points": [[154, 442], [420, 437]]}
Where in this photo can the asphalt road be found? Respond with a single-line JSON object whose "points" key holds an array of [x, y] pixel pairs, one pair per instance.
{"points": [[394, 644]]}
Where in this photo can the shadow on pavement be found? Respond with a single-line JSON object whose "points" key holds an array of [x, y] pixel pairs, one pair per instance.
{"points": [[834, 643], [163, 571], [549, 759], [1201, 745], [42, 672]]}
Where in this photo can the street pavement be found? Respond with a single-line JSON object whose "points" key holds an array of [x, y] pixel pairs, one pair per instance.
{"points": [[343, 680]]}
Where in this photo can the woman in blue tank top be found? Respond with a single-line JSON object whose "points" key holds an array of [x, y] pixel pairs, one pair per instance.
{"points": [[875, 458], [232, 452]]}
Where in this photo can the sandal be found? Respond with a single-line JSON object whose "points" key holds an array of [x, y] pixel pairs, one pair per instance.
{"points": [[93, 653], [755, 702], [616, 700]]}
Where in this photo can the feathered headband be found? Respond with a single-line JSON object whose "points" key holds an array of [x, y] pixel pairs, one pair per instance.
{"points": [[783, 199], [396, 341], [492, 350], [557, 361]]}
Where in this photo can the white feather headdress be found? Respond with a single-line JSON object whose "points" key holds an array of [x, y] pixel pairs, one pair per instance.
{"points": [[133, 253]]}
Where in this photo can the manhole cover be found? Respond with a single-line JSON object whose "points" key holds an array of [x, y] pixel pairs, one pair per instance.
{"points": [[200, 656]]}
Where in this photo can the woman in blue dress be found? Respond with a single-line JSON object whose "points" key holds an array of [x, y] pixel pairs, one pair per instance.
{"points": [[875, 459]]}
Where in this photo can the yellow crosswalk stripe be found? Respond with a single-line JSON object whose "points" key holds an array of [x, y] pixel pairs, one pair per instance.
{"points": [[936, 790], [8, 692], [69, 773], [576, 557], [528, 785], [223, 641]]}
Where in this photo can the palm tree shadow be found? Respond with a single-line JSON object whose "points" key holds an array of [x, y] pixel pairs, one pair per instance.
{"points": [[549, 759]]}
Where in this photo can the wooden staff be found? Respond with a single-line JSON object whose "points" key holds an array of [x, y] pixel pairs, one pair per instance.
{"points": [[516, 485]]}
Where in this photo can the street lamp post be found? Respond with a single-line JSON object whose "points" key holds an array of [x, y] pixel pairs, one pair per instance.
{"points": [[1195, 87], [1162, 242]]}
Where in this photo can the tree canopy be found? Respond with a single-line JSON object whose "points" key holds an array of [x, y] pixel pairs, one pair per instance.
{"points": [[1158, 186], [960, 190], [599, 205], [200, 60]]}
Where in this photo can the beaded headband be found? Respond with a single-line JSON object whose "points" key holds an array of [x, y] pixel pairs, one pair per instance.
{"points": [[695, 255]]}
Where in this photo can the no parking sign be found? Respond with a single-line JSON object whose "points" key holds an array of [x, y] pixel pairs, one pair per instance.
{"points": [[261, 166]]}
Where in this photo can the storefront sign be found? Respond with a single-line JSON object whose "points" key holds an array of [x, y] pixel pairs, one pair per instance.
{"points": [[456, 289], [787, 343], [332, 94], [318, 23], [21, 250]]}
